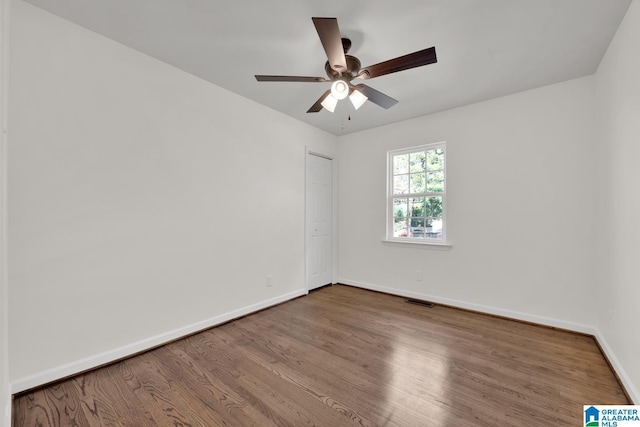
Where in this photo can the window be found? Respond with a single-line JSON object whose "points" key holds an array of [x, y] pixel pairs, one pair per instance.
{"points": [[416, 199]]}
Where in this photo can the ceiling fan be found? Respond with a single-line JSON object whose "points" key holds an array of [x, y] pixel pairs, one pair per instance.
{"points": [[341, 69]]}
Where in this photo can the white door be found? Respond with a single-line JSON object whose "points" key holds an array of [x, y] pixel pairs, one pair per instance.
{"points": [[318, 222]]}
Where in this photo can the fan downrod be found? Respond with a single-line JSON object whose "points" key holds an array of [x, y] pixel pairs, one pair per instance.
{"points": [[346, 44]]}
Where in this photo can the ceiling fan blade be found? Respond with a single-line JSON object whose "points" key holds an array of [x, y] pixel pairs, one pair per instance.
{"points": [[318, 105], [329, 34], [412, 60], [377, 97], [262, 78]]}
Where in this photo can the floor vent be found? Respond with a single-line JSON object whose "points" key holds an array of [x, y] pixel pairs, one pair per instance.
{"points": [[420, 302]]}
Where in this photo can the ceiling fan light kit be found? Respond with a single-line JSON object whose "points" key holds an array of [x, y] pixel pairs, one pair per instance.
{"points": [[331, 99], [357, 98], [340, 89], [341, 69], [329, 102]]}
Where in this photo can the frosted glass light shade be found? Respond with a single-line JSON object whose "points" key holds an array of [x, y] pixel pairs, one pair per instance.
{"points": [[329, 102], [357, 98], [340, 89]]}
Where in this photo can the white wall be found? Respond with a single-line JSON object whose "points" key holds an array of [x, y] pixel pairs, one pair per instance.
{"points": [[520, 177], [618, 297], [142, 199], [5, 395]]}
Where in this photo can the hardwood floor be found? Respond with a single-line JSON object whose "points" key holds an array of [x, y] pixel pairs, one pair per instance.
{"points": [[342, 356]]}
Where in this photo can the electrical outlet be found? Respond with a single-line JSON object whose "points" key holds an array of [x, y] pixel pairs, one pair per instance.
{"points": [[419, 276], [269, 280]]}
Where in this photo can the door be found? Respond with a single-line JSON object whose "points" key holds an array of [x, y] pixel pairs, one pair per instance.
{"points": [[319, 197]]}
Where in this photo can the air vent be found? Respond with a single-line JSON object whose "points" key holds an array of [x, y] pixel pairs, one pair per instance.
{"points": [[421, 302]]}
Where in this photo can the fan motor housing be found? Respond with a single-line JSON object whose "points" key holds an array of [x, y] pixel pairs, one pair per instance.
{"points": [[353, 68]]}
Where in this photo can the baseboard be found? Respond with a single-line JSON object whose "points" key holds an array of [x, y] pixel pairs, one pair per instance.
{"points": [[101, 359], [630, 388], [525, 317]]}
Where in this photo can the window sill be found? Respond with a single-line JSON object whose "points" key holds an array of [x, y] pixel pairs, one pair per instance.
{"points": [[443, 246]]}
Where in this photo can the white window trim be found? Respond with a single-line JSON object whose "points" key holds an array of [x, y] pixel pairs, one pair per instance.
{"points": [[442, 244]]}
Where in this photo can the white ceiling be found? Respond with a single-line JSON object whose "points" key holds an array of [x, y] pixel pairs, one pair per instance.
{"points": [[485, 48]]}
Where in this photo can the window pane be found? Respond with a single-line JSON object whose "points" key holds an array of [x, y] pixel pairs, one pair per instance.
{"points": [[417, 206], [400, 229], [400, 164], [435, 182], [435, 159], [417, 225], [417, 183], [401, 184], [418, 161], [433, 210], [400, 208]]}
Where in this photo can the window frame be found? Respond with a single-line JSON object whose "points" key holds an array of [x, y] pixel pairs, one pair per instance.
{"points": [[390, 196]]}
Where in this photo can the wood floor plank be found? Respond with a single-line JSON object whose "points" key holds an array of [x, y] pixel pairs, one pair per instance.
{"points": [[32, 410], [342, 356], [217, 394], [163, 392], [57, 405], [261, 351], [361, 382], [123, 393], [97, 402]]}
